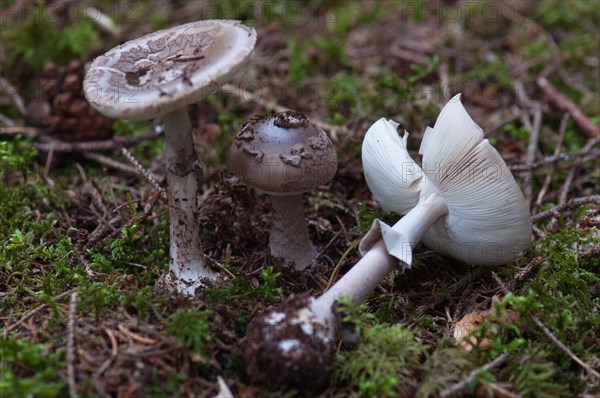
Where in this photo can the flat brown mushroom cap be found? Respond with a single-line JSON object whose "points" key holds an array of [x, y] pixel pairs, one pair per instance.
{"points": [[282, 154], [167, 70]]}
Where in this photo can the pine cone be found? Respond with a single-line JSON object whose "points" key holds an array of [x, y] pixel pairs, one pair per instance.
{"points": [[64, 107]]}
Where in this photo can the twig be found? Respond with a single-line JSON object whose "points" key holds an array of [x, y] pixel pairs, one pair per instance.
{"points": [[91, 146], [339, 264], [570, 205], [532, 149], [565, 104], [498, 391], [245, 95], [143, 172], [113, 352], [71, 346], [564, 348], [564, 191], [11, 90], [582, 156], [548, 179], [524, 273], [551, 335], [464, 385], [110, 162], [34, 311], [14, 130]]}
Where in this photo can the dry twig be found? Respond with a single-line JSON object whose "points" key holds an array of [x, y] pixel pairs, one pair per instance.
{"points": [[143, 172], [464, 385], [548, 179], [71, 346], [564, 348], [551, 335], [12, 92], [23, 130], [581, 157], [570, 205], [565, 104], [55, 145], [34, 311]]}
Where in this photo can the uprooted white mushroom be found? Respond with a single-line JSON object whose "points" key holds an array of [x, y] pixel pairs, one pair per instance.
{"points": [[157, 76], [465, 204]]}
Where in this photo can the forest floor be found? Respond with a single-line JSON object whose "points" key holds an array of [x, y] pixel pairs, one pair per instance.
{"points": [[84, 234]]}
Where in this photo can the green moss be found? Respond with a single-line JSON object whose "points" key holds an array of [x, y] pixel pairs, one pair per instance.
{"points": [[29, 370], [37, 41], [366, 216], [240, 288], [445, 366], [191, 327], [382, 363]]}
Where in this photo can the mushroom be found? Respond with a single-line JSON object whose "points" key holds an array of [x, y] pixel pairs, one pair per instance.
{"points": [[469, 207], [284, 155], [157, 76]]}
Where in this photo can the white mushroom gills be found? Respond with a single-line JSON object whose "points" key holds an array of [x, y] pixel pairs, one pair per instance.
{"points": [[157, 76]]}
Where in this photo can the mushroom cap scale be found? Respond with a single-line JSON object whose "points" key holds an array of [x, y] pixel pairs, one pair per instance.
{"points": [[167, 70], [282, 154]]}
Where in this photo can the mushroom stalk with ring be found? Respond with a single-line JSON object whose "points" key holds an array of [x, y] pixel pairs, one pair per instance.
{"points": [[187, 267], [147, 78], [378, 262]]}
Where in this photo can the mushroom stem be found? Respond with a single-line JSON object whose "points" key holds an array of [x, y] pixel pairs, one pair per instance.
{"points": [[398, 241], [289, 238], [186, 259]]}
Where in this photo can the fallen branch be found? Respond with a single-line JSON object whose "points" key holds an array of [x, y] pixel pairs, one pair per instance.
{"points": [[524, 273], [565, 104], [570, 205], [464, 385]]}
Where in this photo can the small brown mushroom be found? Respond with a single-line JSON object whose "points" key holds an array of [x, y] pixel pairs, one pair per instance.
{"points": [[285, 155]]}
